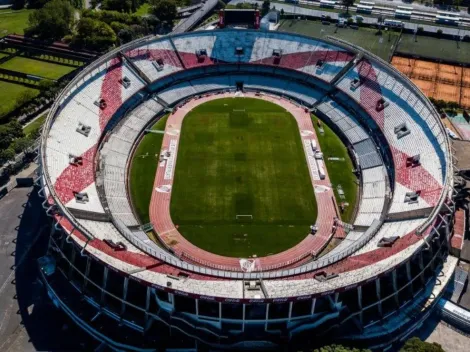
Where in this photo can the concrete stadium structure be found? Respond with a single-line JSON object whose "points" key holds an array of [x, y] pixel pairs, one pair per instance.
{"points": [[375, 287]]}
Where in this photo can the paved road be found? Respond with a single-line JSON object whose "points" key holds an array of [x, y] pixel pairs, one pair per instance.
{"points": [[370, 20], [28, 321], [191, 21]]}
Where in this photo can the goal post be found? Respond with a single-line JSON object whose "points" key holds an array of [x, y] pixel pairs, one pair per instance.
{"points": [[243, 217]]}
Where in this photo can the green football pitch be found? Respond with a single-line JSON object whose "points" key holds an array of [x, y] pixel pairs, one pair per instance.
{"points": [[242, 156]]}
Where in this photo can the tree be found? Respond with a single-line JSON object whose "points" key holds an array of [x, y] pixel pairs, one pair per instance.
{"points": [[6, 154], [117, 5], [165, 10], [24, 97], [53, 21], [416, 345], [347, 4], [21, 144], [94, 34], [282, 13], [265, 7]]}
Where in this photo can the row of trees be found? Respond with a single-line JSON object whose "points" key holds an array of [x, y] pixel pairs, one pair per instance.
{"points": [[13, 140], [97, 30]]}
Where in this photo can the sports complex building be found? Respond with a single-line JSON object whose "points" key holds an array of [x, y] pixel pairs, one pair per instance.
{"points": [[389, 264]]}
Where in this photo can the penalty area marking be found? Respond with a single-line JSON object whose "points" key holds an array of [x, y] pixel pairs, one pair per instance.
{"points": [[238, 110]]}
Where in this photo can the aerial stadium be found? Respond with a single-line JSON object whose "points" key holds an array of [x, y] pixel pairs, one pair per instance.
{"points": [[201, 200]]}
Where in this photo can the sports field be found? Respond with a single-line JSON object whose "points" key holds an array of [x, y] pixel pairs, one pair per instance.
{"points": [[380, 45], [430, 47], [13, 22], [339, 169], [241, 156], [143, 168], [37, 67], [9, 92]]}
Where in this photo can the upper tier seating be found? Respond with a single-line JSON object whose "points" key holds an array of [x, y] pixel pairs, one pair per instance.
{"points": [[73, 138], [409, 129], [155, 59]]}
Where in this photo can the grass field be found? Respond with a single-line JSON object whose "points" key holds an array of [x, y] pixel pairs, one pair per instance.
{"points": [[433, 47], [9, 94], [339, 171], [34, 125], [37, 67], [13, 21], [143, 169], [364, 37], [242, 156]]}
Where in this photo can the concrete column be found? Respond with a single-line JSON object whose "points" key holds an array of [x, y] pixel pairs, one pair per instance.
{"points": [[395, 289], [72, 262], [196, 302], [171, 299], [267, 316], [314, 301], [379, 296], [220, 311], [243, 318], [124, 294], [147, 307], [87, 272], [408, 276], [103, 286], [290, 310], [359, 303], [421, 267]]}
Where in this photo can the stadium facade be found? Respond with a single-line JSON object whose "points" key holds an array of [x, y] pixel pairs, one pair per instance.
{"points": [[375, 287]]}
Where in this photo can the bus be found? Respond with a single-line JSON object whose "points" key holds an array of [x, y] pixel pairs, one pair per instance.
{"points": [[393, 23], [364, 8], [448, 20], [402, 13], [327, 3]]}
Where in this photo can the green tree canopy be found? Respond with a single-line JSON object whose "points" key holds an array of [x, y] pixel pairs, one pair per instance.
{"points": [[416, 345], [117, 5], [94, 34], [338, 348], [53, 21], [165, 10], [265, 7]]}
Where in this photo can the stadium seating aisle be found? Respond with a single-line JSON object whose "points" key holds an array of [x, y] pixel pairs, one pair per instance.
{"points": [[156, 59]]}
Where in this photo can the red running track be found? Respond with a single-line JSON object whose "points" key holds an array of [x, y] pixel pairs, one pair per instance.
{"points": [[160, 203]]}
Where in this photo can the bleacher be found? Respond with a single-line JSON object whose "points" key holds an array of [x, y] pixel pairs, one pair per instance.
{"points": [[155, 59], [374, 189], [115, 153], [390, 229], [409, 129]]}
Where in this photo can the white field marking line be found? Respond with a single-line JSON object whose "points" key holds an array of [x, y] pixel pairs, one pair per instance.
{"points": [[238, 110]]}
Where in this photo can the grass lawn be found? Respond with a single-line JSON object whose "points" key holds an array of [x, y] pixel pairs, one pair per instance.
{"points": [[340, 172], [143, 9], [436, 48], [13, 21], [36, 67], [380, 45], [143, 169], [241, 156], [9, 94], [34, 125]]}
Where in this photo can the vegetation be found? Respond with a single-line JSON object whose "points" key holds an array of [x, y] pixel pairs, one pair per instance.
{"points": [[265, 7], [13, 22], [143, 169], [347, 4], [32, 129], [13, 140], [37, 67], [13, 95], [241, 156], [94, 34], [339, 348], [53, 21], [416, 345], [339, 171], [164, 10]]}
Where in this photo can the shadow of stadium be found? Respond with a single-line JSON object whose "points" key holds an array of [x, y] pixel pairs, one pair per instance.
{"points": [[47, 327]]}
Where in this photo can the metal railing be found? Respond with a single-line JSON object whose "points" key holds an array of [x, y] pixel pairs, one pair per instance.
{"points": [[159, 253]]}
